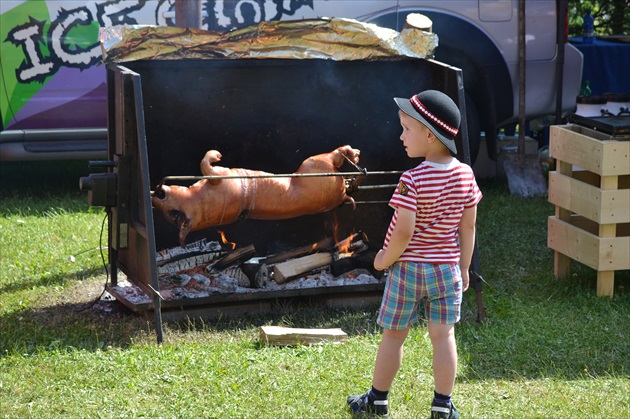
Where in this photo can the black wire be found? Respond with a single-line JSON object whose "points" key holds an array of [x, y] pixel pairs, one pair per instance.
{"points": [[104, 266]]}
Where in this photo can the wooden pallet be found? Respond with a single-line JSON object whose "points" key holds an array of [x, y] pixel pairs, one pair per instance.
{"points": [[591, 191]]}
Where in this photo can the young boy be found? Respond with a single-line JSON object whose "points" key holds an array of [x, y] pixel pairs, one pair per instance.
{"points": [[428, 249]]}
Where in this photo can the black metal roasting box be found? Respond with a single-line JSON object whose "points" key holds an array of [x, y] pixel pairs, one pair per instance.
{"points": [[262, 114]]}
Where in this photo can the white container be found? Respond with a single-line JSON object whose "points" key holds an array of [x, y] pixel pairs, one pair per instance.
{"points": [[590, 106], [618, 103]]}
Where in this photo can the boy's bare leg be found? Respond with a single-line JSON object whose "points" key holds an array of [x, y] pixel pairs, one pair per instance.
{"points": [[444, 356], [389, 358]]}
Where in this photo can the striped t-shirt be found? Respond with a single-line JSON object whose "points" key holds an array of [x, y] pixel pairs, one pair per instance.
{"points": [[438, 193]]}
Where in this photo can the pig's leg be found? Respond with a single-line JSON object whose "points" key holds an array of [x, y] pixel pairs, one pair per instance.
{"points": [[207, 169]]}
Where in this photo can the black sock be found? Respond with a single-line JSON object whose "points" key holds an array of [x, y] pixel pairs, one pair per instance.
{"points": [[375, 394], [441, 397]]}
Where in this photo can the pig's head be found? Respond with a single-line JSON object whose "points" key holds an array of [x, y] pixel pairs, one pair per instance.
{"points": [[171, 202]]}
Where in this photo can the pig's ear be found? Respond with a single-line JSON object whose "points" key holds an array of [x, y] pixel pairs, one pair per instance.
{"points": [[184, 229]]}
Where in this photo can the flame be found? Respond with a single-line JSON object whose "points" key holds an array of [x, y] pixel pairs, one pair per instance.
{"points": [[225, 241], [343, 247]]}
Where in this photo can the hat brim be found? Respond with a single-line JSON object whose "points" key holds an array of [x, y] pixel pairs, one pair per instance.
{"points": [[406, 106]]}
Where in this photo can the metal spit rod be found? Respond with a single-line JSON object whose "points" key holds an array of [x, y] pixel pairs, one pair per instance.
{"points": [[270, 175], [393, 185]]}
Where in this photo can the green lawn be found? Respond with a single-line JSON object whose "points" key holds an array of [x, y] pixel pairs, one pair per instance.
{"points": [[547, 348]]}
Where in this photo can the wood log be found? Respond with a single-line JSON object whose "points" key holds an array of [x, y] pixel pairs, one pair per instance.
{"points": [[363, 260], [178, 265], [200, 247], [236, 256], [321, 245], [418, 21], [354, 243], [251, 269], [288, 270], [286, 336]]}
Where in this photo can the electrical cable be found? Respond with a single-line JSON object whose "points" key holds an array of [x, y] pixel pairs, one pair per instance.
{"points": [[104, 266]]}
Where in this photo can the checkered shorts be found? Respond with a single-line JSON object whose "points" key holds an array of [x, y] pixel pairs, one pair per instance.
{"points": [[408, 284]]}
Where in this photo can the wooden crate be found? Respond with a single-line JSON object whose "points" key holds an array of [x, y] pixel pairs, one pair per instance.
{"points": [[591, 191]]}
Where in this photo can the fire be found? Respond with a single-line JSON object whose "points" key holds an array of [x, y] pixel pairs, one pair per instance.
{"points": [[225, 241], [342, 247]]}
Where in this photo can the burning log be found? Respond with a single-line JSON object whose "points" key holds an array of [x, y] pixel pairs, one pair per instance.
{"points": [[286, 271], [200, 247], [236, 256], [237, 273], [363, 260], [354, 243], [293, 264], [321, 245], [262, 276], [187, 263]]}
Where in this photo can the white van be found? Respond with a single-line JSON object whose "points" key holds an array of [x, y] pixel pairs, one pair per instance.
{"points": [[53, 98]]}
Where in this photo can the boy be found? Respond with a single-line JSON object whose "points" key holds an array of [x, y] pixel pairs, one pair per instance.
{"points": [[428, 248]]}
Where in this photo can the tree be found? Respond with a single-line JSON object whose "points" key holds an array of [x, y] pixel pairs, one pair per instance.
{"points": [[612, 17]]}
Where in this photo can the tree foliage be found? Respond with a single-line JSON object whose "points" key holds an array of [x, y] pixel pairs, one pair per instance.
{"points": [[612, 17]]}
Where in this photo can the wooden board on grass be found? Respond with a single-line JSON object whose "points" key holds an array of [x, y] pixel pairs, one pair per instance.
{"points": [[288, 336]]}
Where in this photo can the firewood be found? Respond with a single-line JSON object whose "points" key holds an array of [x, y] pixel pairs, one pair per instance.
{"points": [[323, 244], [363, 260], [285, 336], [198, 248], [234, 257], [418, 21], [285, 271], [177, 265], [356, 241]]}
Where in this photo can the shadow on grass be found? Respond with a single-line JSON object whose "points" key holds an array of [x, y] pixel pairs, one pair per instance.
{"points": [[71, 326], [309, 313], [52, 280]]}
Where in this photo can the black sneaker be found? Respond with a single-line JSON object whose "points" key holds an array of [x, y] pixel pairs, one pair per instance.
{"points": [[444, 411], [362, 407]]}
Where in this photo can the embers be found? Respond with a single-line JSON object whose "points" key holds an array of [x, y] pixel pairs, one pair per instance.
{"points": [[206, 268]]}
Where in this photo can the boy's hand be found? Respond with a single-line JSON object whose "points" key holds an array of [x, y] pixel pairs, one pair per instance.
{"points": [[378, 261], [465, 279]]}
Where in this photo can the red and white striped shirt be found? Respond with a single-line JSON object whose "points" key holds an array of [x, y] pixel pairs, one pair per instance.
{"points": [[438, 194]]}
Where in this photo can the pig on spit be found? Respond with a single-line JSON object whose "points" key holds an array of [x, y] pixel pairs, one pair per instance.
{"points": [[213, 202]]}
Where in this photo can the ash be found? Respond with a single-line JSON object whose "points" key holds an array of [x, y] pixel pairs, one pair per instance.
{"points": [[185, 280], [200, 286]]}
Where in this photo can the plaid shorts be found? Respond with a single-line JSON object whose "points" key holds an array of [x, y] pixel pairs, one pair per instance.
{"points": [[409, 283]]}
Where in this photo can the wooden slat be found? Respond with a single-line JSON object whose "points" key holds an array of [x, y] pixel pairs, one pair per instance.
{"points": [[604, 206], [599, 253], [608, 158]]}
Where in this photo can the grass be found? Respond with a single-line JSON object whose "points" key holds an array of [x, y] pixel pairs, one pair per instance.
{"points": [[547, 348]]}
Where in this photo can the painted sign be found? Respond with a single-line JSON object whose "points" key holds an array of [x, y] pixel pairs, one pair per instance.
{"points": [[50, 72]]}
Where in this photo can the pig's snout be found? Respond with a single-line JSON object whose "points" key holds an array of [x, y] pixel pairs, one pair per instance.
{"points": [[160, 192]]}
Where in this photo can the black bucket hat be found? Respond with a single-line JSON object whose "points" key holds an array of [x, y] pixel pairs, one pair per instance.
{"points": [[437, 112]]}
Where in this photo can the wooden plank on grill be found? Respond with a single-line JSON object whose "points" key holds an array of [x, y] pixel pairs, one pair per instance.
{"points": [[287, 336], [302, 251], [234, 257], [288, 270]]}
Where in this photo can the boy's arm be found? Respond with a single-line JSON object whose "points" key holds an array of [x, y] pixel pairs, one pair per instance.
{"points": [[467, 242], [398, 242]]}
